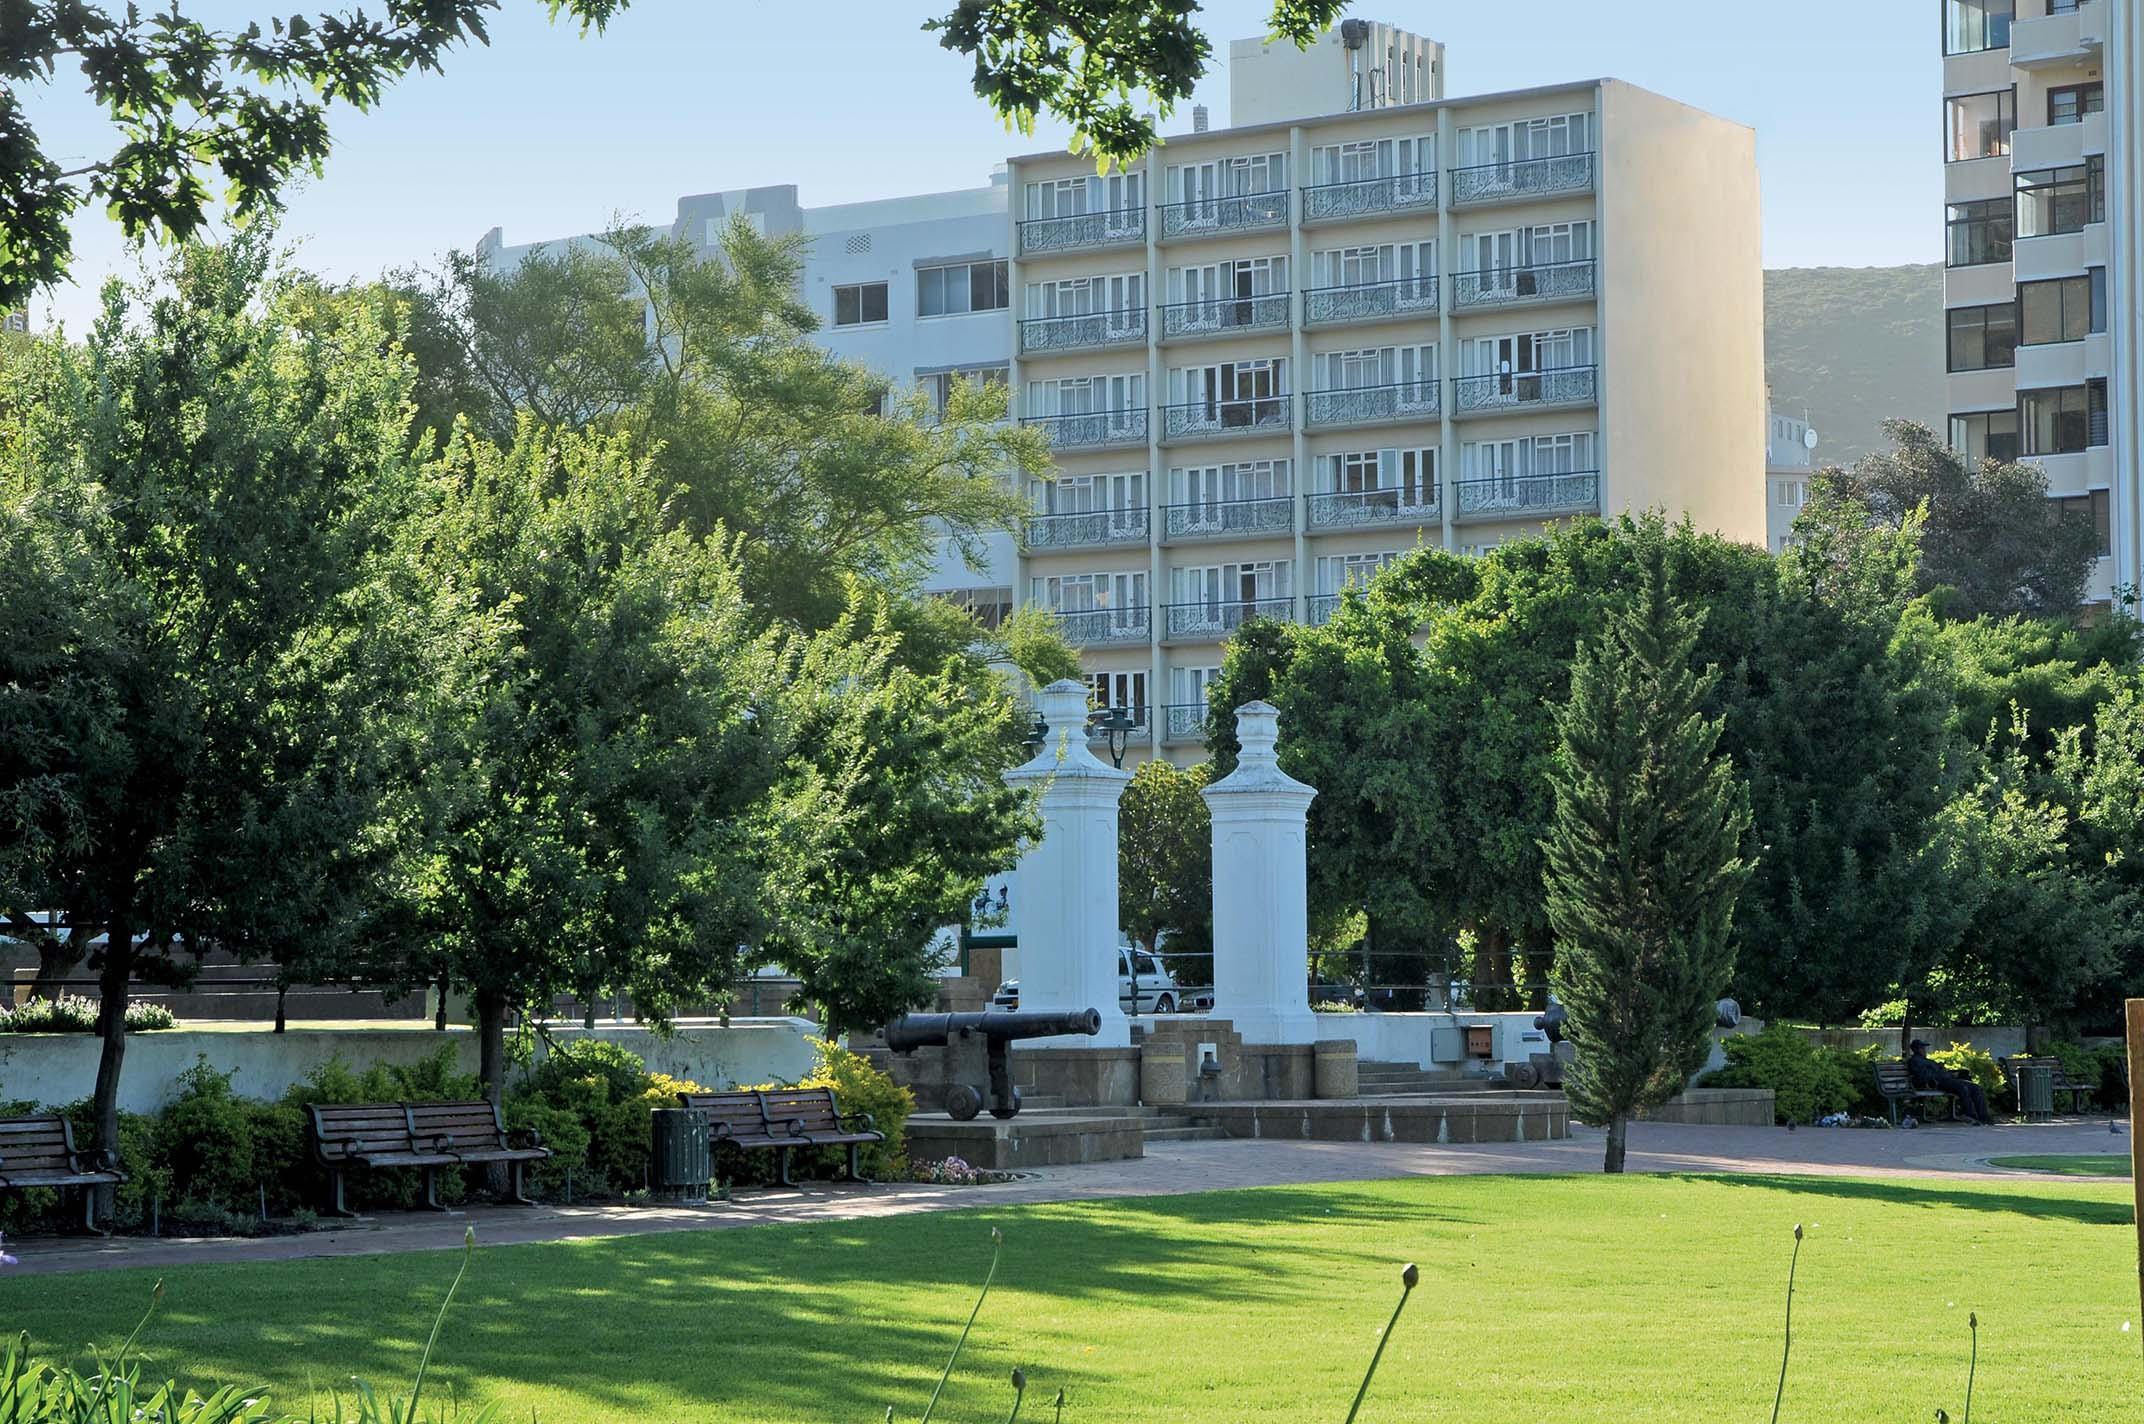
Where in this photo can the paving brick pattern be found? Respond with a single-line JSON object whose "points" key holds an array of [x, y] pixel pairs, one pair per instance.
{"points": [[1168, 1169]]}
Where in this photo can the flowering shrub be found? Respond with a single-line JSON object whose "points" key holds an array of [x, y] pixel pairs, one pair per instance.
{"points": [[954, 1172], [71, 1013]]}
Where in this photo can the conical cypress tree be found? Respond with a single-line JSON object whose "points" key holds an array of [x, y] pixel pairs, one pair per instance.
{"points": [[1643, 862]]}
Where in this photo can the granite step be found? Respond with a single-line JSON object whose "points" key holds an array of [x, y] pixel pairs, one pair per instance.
{"points": [[1201, 1133]]}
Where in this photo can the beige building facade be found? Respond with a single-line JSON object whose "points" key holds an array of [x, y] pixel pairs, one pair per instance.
{"points": [[1274, 357], [2043, 146]]}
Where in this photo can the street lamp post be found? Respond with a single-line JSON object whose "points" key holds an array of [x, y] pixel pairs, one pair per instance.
{"points": [[1117, 724]]}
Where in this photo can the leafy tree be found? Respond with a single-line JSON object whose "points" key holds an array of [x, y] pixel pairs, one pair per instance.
{"points": [[1642, 863], [2054, 671], [1990, 541], [1165, 865], [601, 729], [746, 423], [1841, 728], [188, 99], [202, 487], [889, 815], [1034, 642]]}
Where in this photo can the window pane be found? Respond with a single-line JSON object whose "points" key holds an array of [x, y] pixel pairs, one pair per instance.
{"points": [[2042, 307], [874, 301], [846, 307], [1980, 125], [2097, 279]]}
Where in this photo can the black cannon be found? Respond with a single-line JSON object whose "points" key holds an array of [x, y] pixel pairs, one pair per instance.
{"points": [[975, 1045]]}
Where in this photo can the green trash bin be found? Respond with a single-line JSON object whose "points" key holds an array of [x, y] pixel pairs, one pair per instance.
{"points": [[678, 1162], [2036, 1092]]}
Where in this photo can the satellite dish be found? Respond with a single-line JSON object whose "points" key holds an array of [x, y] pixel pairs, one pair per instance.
{"points": [[1808, 437]]}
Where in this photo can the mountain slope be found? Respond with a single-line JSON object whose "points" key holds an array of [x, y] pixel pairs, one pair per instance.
{"points": [[1855, 346]]}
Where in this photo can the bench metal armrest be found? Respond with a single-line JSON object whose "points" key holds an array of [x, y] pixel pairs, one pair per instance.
{"points": [[523, 1137], [850, 1119], [96, 1159]]}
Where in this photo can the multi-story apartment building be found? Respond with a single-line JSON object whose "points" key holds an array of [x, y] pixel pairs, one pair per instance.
{"points": [[913, 287], [1789, 462], [1272, 358], [2043, 133]]}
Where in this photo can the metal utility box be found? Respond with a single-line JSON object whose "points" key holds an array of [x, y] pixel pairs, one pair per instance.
{"points": [[1481, 1040], [1447, 1045]]}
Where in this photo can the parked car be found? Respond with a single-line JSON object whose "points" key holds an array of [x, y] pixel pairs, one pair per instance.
{"points": [[1158, 992]]}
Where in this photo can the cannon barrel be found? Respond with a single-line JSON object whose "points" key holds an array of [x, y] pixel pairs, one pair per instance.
{"points": [[911, 1031]]}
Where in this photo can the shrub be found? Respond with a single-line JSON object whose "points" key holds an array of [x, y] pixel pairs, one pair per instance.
{"points": [[623, 1071], [1806, 1082], [205, 1138], [71, 1013], [563, 1133]]}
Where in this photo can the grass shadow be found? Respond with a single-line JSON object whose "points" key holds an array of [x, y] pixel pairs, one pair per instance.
{"points": [[2002, 1198]]}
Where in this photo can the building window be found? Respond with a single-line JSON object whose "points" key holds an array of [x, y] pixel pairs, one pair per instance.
{"points": [[961, 287], [1982, 338], [1970, 26], [2070, 103], [940, 384], [860, 304], [1985, 435], [2094, 506], [2058, 421], [2062, 310], [1790, 494], [1119, 689], [1979, 125], [1980, 232], [2095, 187], [2054, 200], [987, 606]]}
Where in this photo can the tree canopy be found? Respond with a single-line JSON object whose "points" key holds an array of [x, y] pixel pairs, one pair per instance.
{"points": [[1165, 866]]}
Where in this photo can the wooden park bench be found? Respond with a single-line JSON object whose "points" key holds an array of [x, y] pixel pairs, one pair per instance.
{"points": [[39, 1151], [782, 1120], [1896, 1086], [423, 1135], [2080, 1094]]}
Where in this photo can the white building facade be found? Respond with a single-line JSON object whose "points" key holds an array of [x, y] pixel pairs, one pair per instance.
{"points": [[1789, 463], [2043, 133]]}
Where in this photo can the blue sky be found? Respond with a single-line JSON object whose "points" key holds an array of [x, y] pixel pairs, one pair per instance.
{"points": [[544, 133]]}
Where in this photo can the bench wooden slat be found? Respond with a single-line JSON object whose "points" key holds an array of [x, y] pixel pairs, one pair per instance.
{"points": [[426, 1135], [38, 1150]]}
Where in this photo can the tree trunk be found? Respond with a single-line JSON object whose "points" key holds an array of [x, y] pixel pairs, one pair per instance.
{"points": [[491, 1065], [112, 1029], [57, 957], [439, 1010], [1618, 1141]]}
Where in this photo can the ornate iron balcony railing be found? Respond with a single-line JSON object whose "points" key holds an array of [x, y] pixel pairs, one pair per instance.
{"points": [[1370, 405], [1248, 415], [1216, 316], [1243, 212], [1523, 178], [1219, 617], [1042, 334], [1510, 286], [1098, 627], [1367, 197], [1091, 430], [1222, 518], [1347, 509], [1409, 296], [1183, 722], [1520, 390], [1078, 231], [1085, 529], [1528, 496]]}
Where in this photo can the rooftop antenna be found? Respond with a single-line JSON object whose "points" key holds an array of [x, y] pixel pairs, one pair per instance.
{"points": [[1353, 35]]}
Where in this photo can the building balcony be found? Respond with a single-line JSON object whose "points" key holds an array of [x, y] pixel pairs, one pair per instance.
{"points": [[1212, 217], [1224, 316], [1369, 197], [1522, 178], [1083, 232], [2065, 37], [1356, 509], [1230, 518], [1372, 301], [1523, 286], [1523, 390], [1319, 608], [1086, 529], [1528, 496], [1041, 335], [1183, 722], [1091, 430], [1372, 405], [1105, 627], [1217, 618], [1206, 419]]}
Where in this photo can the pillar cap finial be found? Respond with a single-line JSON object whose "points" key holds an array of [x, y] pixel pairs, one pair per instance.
{"points": [[1257, 760]]}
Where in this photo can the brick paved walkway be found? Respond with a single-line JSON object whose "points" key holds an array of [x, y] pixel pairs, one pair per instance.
{"points": [[1168, 1169]]}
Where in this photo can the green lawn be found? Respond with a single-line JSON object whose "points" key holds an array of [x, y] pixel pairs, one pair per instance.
{"points": [[1549, 1298], [2085, 1165]]}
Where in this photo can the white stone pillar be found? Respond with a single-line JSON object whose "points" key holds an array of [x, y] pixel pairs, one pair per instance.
{"points": [[1068, 878], [1261, 918]]}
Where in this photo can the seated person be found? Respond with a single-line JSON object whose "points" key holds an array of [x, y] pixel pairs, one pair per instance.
{"points": [[1925, 1072]]}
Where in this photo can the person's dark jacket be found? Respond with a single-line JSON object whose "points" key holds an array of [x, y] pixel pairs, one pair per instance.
{"points": [[1927, 1073]]}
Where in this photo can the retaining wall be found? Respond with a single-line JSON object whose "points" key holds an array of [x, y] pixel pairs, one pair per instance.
{"points": [[56, 1068]]}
